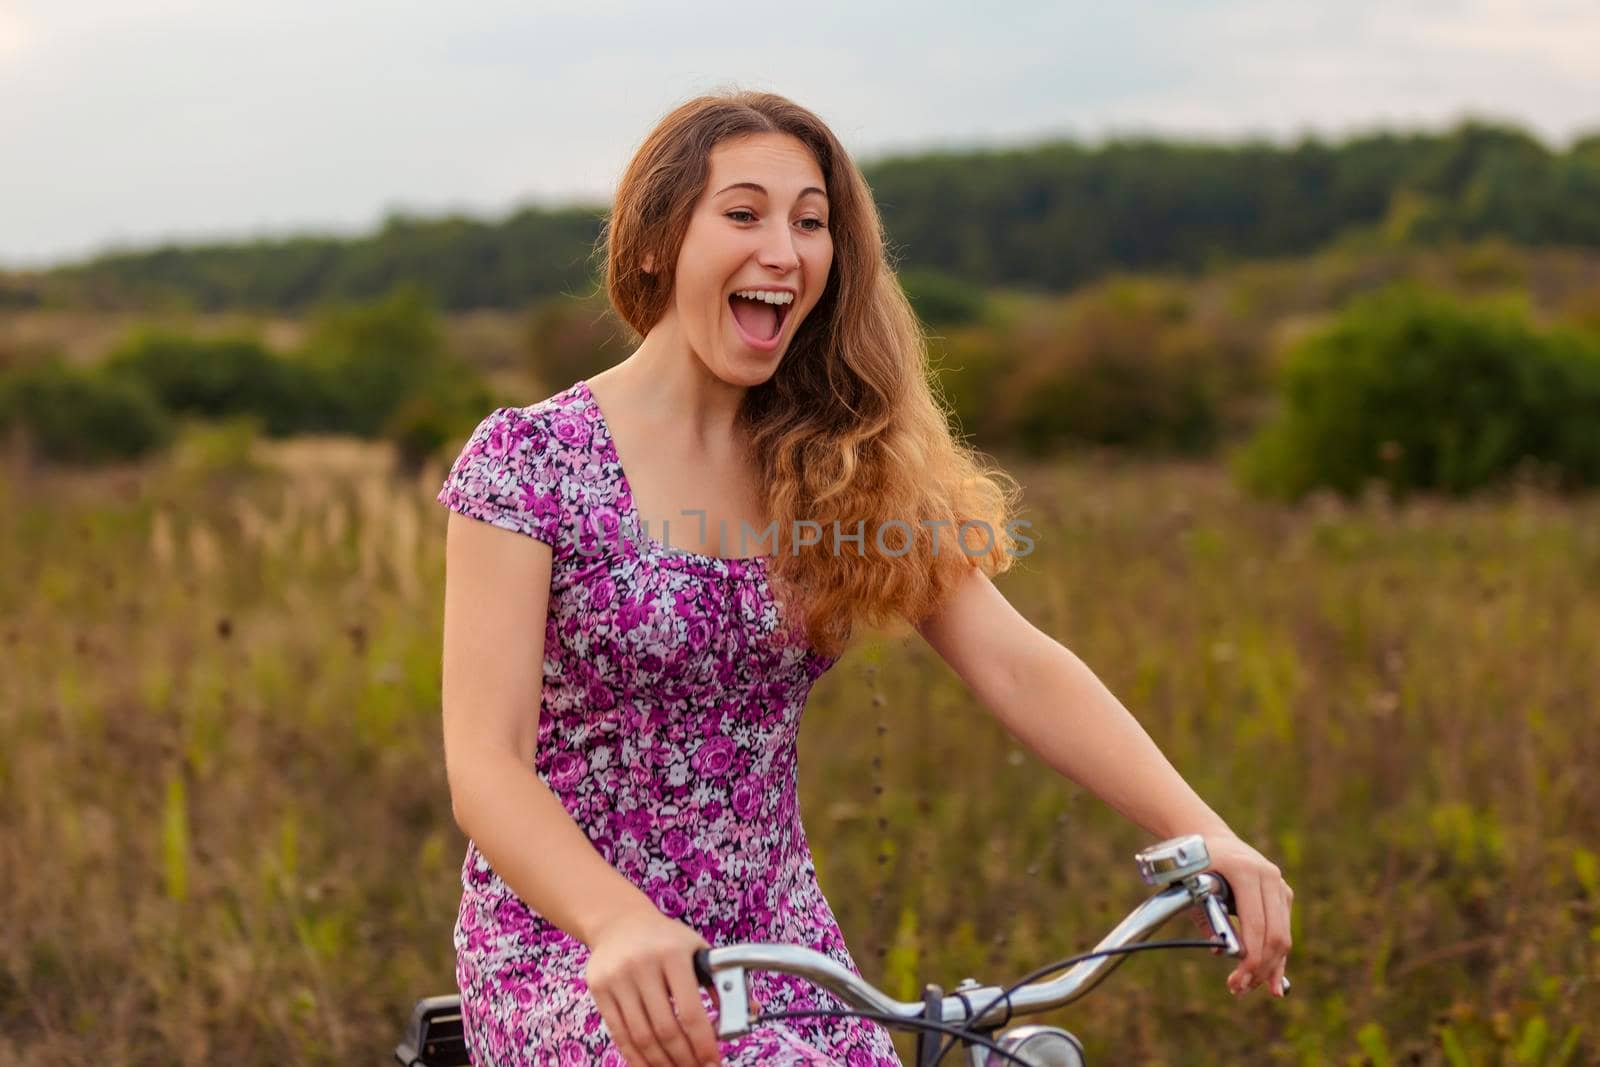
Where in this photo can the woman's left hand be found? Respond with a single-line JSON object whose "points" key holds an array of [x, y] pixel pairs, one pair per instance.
{"points": [[1261, 898]]}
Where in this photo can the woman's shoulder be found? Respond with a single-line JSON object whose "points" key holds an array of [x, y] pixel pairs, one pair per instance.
{"points": [[552, 416], [558, 430], [517, 464]]}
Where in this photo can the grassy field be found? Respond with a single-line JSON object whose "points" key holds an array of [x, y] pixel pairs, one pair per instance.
{"points": [[225, 835]]}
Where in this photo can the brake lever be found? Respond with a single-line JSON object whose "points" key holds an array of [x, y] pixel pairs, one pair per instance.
{"points": [[731, 991], [1217, 911], [1182, 860]]}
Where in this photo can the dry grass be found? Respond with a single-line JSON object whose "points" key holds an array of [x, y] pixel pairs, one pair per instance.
{"points": [[225, 835], [493, 341], [85, 337]]}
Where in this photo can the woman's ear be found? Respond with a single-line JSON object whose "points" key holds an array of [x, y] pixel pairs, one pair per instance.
{"points": [[649, 264]]}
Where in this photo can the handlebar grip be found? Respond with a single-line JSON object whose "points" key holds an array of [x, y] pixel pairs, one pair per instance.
{"points": [[702, 968]]}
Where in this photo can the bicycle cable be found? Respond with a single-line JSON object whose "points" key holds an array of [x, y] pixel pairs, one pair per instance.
{"points": [[1005, 994], [897, 1021]]}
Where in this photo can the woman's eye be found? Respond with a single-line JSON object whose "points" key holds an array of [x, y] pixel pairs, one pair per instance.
{"points": [[746, 215]]}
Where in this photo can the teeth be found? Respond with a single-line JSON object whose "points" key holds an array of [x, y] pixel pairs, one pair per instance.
{"points": [[766, 296]]}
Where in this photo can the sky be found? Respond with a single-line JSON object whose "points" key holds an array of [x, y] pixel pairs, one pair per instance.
{"points": [[127, 123]]}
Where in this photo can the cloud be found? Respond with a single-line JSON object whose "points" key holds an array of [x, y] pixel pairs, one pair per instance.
{"points": [[143, 119], [15, 33], [1559, 34]]}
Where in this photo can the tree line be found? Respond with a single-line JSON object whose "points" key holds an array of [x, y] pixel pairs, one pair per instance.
{"points": [[1047, 218]]}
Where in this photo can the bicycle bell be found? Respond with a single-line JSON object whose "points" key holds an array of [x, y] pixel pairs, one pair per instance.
{"points": [[1171, 861]]}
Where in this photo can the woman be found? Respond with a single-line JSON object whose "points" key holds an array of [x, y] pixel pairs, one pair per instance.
{"points": [[608, 624]]}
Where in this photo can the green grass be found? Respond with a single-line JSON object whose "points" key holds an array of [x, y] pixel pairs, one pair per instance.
{"points": [[225, 834]]}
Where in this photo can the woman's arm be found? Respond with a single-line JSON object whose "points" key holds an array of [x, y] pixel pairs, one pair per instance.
{"points": [[497, 596], [1050, 700], [492, 680]]}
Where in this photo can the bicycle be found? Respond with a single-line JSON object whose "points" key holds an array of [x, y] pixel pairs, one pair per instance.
{"points": [[970, 1014]]}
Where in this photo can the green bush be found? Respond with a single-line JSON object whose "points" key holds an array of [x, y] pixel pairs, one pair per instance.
{"points": [[221, 378], [377, 369], [373, 357], [67, 415], [422, 426], [1128, 364], [940, 300], [1416, 390], [567, 338], [1570, 434], [971, 363]]}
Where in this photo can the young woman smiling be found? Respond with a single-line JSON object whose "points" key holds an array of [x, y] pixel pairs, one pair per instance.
{"points": [[620, 711]]}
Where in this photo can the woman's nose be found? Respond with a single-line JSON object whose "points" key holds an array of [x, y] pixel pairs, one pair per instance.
{"points": [[777, 250]]}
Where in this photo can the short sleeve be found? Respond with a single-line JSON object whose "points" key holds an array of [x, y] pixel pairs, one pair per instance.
{"points": [[508, 475]]}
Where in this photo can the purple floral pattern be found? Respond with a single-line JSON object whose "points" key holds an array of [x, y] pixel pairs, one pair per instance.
{"points": [[670, 707]]}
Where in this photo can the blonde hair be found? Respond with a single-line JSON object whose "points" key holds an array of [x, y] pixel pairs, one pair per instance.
{"points": [[850, 428]]}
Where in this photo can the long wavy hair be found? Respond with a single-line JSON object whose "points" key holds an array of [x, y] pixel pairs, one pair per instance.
{"points": [[851, 428]]}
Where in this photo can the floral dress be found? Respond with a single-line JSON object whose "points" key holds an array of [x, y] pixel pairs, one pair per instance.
{"points": [[670, 707]]}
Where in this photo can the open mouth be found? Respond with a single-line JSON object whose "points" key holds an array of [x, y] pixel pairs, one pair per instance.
{"points": [[758, 320]]}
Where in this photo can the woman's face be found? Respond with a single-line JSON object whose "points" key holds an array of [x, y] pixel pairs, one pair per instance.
{"points": [[761, 224]]}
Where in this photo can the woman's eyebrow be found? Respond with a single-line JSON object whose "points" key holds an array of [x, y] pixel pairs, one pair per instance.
{"points": [[763, 191]]}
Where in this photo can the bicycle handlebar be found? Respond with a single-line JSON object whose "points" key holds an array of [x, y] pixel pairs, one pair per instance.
{"points": [[1174, 863]]}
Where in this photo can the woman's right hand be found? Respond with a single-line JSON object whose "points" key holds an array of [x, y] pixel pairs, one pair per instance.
{"points": [[640, 963]]}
